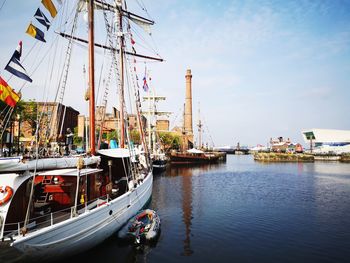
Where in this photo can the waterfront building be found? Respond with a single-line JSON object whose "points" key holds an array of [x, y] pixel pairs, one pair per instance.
{"points": [[325, 141], [110, 121], [162, 125], [55, 119], [279, 144]]}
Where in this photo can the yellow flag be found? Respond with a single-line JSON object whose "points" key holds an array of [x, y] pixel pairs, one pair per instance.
{"points": [[31, 30], [50, 7]]}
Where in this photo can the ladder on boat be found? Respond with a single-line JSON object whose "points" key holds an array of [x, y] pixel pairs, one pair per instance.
{"points": [[44, 196]]}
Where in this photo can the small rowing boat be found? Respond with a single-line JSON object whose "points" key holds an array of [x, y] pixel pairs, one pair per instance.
{"points": [[142, 228]]}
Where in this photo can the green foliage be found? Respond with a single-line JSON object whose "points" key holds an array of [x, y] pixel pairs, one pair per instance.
{"points": [[135, 137], [169, 140], [17, 111], [113, 135], [76, 139], [29, 113]]}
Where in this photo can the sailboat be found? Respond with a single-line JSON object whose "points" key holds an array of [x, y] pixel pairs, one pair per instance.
{"points": [[158, 157], [53, 214]]}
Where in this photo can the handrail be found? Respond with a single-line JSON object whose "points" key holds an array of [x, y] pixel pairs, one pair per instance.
{"points": [[50, 219]]}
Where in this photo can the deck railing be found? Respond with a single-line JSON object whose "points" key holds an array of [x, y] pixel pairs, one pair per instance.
{"points": [[10, 230]]}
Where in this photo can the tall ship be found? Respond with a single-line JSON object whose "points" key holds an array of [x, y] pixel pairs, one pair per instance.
{"points": [[51, 212], [158, 156]]}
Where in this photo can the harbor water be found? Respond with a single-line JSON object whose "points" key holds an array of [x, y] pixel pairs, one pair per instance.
{"points": [[245, 211]]}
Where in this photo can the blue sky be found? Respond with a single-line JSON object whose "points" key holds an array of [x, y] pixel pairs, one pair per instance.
{"points": [[260, 69]]}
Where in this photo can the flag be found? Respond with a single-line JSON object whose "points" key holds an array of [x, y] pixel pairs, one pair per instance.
{"points": [[7, 94], [132, 41], [15, 67], [42, 19], [50, 7], [35, 32], [145, 86]]}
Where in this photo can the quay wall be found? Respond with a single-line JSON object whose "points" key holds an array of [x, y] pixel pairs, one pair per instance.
{"points": [[345, 158], [283, 157]]}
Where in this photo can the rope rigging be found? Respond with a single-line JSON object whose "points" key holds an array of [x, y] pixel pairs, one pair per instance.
{"points": [[64, 75], [3, 3]]}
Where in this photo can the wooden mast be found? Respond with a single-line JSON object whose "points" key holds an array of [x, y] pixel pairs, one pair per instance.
{"points": [[91, 77], [121, 92]]}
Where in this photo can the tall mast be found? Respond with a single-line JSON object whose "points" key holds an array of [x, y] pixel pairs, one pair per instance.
{"points": [[91, 77], [149, 121], [121, 59], [154, 120], [199, 128]]}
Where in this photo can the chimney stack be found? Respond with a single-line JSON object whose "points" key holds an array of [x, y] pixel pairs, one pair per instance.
{"points": [[188, 104]]}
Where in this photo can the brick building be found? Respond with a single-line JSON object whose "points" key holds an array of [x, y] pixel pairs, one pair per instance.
{"points": [[110, 121], [54, 121]]}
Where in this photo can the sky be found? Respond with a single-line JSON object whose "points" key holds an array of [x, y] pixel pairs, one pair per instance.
{"points": [[260, 69]]}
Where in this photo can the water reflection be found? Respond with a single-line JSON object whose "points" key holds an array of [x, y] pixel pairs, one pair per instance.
{"points": [[187, 172], [244, 211], [190, 170], [187, 210]]}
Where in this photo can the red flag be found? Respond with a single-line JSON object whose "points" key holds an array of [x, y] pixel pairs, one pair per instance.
{"points": [[7, 94]]}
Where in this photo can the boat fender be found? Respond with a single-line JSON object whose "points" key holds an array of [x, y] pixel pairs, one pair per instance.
{"points": [[131, 184], [7, 192]]}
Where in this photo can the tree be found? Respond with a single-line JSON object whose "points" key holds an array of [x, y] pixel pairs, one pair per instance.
{"points": [[169, 140], [29, 114], [76, 139], [8, 117], [135, 137], [113, 135]]}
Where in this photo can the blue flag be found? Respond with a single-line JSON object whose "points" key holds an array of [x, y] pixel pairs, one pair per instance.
{"points": [[35, 32], [14, 66], [42, 19]]}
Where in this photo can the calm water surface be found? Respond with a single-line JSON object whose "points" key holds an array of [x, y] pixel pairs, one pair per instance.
{"points": [[244, 211]]}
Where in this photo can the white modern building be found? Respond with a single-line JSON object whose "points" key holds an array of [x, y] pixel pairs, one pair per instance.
{"points": [[327, 140]]}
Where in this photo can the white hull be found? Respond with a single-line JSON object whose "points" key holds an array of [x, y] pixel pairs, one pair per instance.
{"points": [[85, 231]]}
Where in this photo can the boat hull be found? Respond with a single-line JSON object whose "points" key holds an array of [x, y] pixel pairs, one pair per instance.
{"points": [[85, 231], [190, 158], [159, 165]]}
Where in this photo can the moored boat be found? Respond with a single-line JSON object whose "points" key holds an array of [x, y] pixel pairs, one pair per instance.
{"points": [[72, 210], [144, 227], [159, 162], [193, 156], [48, 213]]}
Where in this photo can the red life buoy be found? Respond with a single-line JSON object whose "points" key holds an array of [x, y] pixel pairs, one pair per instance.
{"points": [[8, 194]]}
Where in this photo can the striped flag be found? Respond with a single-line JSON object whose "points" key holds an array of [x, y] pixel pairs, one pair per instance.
{"points": [[35, 32], [14, 66], [42, 19], [7, 94]]}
